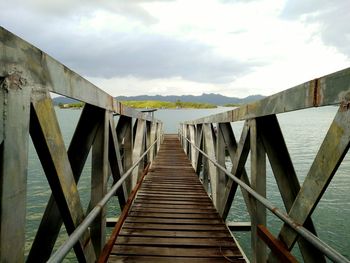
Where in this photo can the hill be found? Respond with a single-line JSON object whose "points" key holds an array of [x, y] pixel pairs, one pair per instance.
{"points": [[211, 98]]}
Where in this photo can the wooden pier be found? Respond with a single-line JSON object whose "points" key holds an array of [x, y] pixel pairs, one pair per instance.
{"points": [[172, 218]]}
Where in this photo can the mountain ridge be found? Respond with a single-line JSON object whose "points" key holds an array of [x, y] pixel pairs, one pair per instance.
{"points": [[212, 98]]}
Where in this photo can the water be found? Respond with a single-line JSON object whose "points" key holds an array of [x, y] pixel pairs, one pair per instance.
{"points": [[303, 131]]}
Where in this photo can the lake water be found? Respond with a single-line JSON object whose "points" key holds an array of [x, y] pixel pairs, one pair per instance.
{"points": [[303, 131]]}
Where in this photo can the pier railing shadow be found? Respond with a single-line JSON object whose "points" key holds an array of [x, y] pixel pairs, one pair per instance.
{"points": [[205, 141], [28, 76]]}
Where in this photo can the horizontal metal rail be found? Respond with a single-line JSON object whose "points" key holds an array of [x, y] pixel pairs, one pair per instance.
{"points": [[63, 250], [328, 251]]}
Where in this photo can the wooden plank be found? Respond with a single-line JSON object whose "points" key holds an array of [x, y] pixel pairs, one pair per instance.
{"points": [[286, 178], [207, 227], [99, 178], [78, 152], [258, 183], [157, 214], [328, 158], [175, 211], [174, 206], [163, 259], [176, 241], [173, 218], [189, 221], [179, 252], [51, 150], [15, 100], [171, 233]]}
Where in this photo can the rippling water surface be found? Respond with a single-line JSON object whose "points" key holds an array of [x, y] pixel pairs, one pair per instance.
{"points": [[303, 131]]}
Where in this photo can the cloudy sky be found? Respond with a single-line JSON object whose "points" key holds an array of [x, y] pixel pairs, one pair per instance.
{"points": [[232, 47]]}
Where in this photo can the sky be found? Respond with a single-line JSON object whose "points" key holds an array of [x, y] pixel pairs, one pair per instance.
{"points": [[232, 47]]}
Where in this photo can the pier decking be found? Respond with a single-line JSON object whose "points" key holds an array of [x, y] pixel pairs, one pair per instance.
{"points": [[172, 218]]}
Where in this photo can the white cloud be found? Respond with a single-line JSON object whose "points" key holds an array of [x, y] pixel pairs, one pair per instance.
{"points": [[232, 47]]}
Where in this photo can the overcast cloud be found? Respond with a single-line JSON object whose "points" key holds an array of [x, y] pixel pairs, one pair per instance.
{"points": [[232, 47]]}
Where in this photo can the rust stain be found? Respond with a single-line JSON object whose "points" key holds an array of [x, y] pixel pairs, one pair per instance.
{"points": [[316, 92], [13, 81]]}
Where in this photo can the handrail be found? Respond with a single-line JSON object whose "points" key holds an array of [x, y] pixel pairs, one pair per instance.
{"points": [[63, 250], [330, 252]]}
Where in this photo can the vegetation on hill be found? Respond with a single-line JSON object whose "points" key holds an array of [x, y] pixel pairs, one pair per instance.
{"points": [[166, 104], [232, 105], [76, 105]]}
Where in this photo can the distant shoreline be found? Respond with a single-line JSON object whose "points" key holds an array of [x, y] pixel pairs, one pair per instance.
{"points": [[150, 104]]}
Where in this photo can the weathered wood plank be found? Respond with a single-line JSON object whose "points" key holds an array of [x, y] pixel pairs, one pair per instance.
{"points": [[163, 259], [15, 101], [157, 214], [174, 217], [176, 241], [177, 233], [179, 252], [189, 221]]}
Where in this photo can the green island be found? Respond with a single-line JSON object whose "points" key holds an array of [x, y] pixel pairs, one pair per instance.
{"points": [[77, 105], [167, 104], [148, 104]]}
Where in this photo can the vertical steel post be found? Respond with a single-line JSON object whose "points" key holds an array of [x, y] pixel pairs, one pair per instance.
{"points": [[258, 183], [99, 175], [14, 132]]}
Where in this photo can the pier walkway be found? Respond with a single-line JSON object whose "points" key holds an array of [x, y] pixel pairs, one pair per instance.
{"points": [[172, 218]]}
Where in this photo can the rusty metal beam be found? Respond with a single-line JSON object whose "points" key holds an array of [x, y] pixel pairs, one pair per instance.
{"points": [[99, 178], [239, 155], [15, 107], [41, 71], [115, 162], [258, 183], [286, 178], [331, 89], [330, 155], [50, 147], [78, 152], [210, 150]]}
